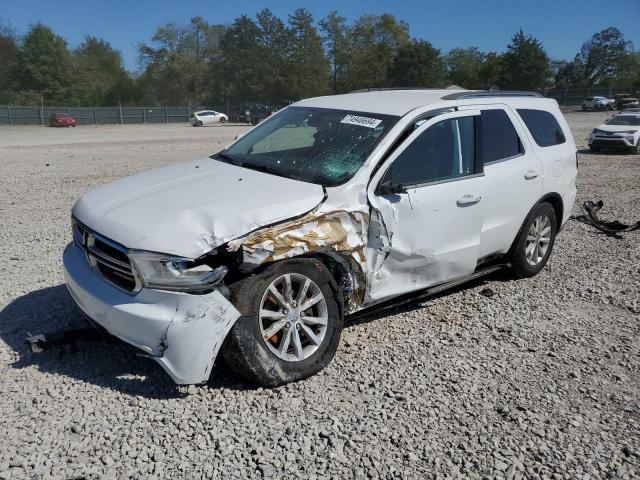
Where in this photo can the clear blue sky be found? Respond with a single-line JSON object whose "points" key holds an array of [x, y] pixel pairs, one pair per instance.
{"points": [[561, 25]]}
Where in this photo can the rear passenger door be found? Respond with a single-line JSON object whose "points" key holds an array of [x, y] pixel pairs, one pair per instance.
{"points": [[513, 178]]}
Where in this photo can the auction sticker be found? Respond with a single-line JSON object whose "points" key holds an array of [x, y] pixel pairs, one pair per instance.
{"points": [[361, 121]]}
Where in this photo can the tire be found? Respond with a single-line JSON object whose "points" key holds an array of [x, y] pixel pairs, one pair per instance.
{"points": [[523, 265], [261, 360], [197, 123], [223, 120]]}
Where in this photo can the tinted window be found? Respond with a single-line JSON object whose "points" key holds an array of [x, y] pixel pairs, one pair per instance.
{"points": [[444, 151], [543, 126], [499, 137]]}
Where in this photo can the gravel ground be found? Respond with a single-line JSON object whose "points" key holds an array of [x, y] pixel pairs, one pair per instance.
{"points": [[541, 380]]}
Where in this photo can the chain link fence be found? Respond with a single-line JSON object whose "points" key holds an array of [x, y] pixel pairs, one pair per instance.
{"points": [[30, 115], [574, 96]]}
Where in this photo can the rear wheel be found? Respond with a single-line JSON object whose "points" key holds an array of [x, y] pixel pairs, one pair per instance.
{"points": [[290, 325], [535, 241], [197, 123]]}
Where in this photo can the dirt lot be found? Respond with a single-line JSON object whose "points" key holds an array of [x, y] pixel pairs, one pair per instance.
{"points": [[542, 380]]}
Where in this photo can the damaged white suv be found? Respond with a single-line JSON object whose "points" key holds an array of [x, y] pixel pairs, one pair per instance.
{"points": [[332, 205]]}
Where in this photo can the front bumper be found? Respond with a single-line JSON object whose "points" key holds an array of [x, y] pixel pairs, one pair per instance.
{"points": [[612, 141], [182, 332]]}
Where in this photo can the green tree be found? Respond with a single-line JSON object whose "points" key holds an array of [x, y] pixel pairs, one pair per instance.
{"points": [[239, 70], [47, 66], [525, 65], [417, 64], [491, 71], [601, 56], [309, 70], [336, 35], [568, 74], [274, 40], [465, 67], [375, 41], [11, 61], [99, 75]]}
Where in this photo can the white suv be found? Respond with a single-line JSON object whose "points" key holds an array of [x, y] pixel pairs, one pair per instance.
{"points": [[598, 103], [332, 205]]}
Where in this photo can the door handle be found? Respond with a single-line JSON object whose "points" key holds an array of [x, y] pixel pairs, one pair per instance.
{"points": [[530, 175], [468, 200]]}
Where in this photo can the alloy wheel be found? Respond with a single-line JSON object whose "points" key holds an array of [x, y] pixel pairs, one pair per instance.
{"points": [[538, 240], [293, 317]]}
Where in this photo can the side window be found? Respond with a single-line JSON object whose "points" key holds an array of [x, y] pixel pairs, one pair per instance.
{"points": [[499, 137], [543, 126], [444, 151]]}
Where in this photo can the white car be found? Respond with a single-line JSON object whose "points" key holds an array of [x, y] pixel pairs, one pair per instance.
{"points": [[620, 131], [330, 206], [598, 103], [207, 117]]}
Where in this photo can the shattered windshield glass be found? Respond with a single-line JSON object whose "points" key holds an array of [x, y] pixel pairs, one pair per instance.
{"points": [[316, 145]]}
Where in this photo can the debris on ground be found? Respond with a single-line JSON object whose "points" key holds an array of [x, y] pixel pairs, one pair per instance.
{"points": [[613, 228]]}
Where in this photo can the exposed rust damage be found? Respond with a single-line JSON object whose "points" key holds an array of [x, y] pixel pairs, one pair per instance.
{"points": [[341, 232]]}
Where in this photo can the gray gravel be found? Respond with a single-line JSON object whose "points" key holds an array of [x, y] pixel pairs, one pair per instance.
{"points": [[540, 380]]}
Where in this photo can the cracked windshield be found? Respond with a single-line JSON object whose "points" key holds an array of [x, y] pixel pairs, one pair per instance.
{"points": [[315, 145]]}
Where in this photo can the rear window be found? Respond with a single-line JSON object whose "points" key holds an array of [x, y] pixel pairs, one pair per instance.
{"points": [[499, 139], [543, 126]]}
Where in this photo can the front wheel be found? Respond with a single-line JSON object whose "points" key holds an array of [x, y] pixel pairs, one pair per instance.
{"points": [[535, 241], [290, 325]]}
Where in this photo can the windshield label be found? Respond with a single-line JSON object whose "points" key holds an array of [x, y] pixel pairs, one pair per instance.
{"points": [[361, 121]]}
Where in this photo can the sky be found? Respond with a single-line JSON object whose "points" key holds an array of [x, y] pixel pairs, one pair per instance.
{"points": [[561, 25]]}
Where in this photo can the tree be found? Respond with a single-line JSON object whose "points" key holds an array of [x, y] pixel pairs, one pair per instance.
{"points": [[274, 40], [375, 42], [601, 56], [525, 65], [47, 65], [309, 70], [464, 67], [238, 71], [491, 70], [11, 61], [99, 75], [417, 64], [336, 35], [568, 74]]}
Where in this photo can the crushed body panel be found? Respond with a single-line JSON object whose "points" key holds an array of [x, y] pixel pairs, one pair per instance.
{"points": [[182, 332]]}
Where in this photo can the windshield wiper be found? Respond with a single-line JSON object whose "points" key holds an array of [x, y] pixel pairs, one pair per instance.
{"points": [[227, 158]]}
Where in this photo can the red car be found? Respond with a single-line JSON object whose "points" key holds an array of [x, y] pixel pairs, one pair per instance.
{"points": [[62, 120]]}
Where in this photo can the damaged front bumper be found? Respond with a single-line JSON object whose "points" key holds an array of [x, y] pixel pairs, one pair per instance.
{"points": [[180, 331]]}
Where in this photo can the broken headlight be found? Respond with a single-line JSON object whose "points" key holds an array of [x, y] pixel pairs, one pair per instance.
{"points": [[165, 272]]}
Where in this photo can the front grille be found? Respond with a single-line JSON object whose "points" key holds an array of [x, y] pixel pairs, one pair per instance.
{"points": [[609, 142], [107, 258]]}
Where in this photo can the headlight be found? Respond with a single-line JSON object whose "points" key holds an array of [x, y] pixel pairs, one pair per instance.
{"points": [[598, 132], [165, 272]]}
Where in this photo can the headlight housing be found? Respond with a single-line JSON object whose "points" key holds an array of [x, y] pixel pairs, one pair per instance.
{"points": [[166, 272]]}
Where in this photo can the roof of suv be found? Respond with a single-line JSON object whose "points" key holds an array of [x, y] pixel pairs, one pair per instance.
{"points": [[399, 101]]}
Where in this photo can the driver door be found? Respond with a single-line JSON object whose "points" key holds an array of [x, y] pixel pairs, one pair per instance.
{"points": [[428, 210]]}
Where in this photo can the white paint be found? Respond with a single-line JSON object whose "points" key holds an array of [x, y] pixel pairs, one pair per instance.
{"points": [[361, 121]]}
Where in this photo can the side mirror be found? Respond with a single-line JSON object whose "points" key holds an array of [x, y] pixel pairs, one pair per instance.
{"points": [[387, 187]]}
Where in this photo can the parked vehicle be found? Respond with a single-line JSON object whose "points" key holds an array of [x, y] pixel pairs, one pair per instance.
{"points": [[624, 101], [252, 113], [331, 205], [620, 131], [598, 103], [207, 117], [62, 120]]}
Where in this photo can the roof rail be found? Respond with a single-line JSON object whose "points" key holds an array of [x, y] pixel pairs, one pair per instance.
{"points": [[384, 89], [484, 94]]}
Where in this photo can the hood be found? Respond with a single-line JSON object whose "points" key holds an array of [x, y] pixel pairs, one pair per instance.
{"points": [[190, 208], [617, 128]]}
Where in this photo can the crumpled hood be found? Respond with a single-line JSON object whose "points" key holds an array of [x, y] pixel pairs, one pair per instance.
{"points": [[190, 208]]}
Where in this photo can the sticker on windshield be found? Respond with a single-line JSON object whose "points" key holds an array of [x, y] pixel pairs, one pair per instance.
{"points": [[361, 121]]}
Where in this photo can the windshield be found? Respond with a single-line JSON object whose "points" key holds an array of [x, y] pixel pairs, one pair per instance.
{"points": [[633, 120], [316, 145]]}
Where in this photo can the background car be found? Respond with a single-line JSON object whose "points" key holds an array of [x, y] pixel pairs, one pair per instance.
{"points": [[207, 117], [620, 131], [252, 113], [598, 103], [62, 120], [624, 101]]}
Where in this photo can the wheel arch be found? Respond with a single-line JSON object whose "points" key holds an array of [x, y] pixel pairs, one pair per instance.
{"points": [[555, 200]]}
